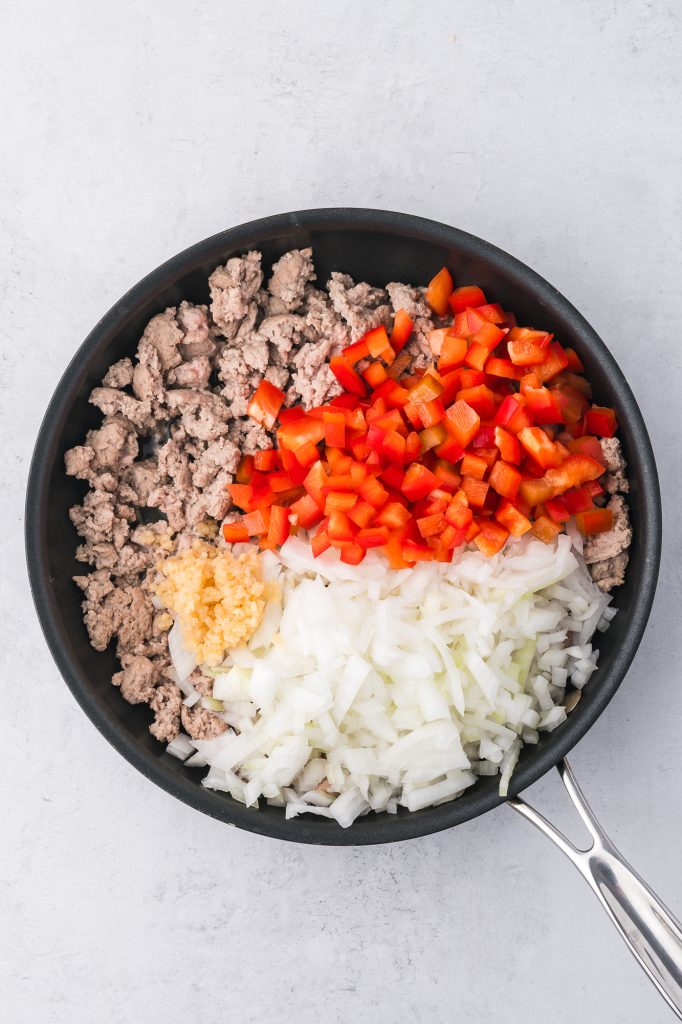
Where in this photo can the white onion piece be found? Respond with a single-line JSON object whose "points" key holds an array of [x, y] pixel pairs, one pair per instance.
{"points": [[184, 662]]}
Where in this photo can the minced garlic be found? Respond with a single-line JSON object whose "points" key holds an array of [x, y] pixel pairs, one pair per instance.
{"points": [[219, 599]]}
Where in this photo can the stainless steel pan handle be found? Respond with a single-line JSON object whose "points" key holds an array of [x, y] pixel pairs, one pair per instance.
{"points": [[651, 932]]}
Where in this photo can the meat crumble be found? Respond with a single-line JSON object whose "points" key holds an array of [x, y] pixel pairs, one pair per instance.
{"points": [[174, 427]]}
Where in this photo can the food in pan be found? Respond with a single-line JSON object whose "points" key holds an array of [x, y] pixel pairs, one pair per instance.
{"points": [[352, 544]]}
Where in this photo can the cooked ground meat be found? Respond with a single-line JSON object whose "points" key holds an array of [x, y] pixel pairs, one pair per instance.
{"points": [[175, 427]]}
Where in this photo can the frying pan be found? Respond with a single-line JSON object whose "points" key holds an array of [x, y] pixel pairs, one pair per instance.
{"points": [[376, 246]]}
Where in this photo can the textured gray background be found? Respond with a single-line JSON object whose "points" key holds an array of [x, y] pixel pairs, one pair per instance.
{"points": [[131, 130]]}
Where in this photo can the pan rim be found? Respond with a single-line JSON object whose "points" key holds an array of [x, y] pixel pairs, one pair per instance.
{"points": [[364, 831]]}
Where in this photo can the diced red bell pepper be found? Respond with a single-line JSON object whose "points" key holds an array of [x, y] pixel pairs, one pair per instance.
{"points": [[280, 526], [307, 454], [393, 477], [601, 421], [362, 513], [340, 527], [469, 378], [392, 447], [257, 523], [245, 469], [300, 431], [574, 362], [450, 450], [347, 376], [526, 352], [555, 362], [439, 291], [315, 482], [452, 352], [307, 512], [539, 446], [505, 479], [235, 533], [508, 445], [576, 470], [542, 405], [372, 491], [339, 501], [488, 335], [480, 398], [393, 515], [334, 428], [355, 352], [477, 356], [512, 415], [476, 491], [374, 537], [320, 542], [536, 492], [431, 526], [419, 481], [449, 478], [558, 510], [265, 404], [242, 495], [431, 437], [587, 445], [491, 537], [578, 499], [266, 460], [467, 295], [376, 341], [595, 520], [375, 374], [474, 465], [462, 423], [512, 519], [545, 529], [503, 368], [491, 311], [431, 413], [402, 329], [353, 554], [489, 455]]}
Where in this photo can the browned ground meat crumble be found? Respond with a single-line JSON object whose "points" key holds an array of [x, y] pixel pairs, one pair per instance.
{"points": [[175, 426]]}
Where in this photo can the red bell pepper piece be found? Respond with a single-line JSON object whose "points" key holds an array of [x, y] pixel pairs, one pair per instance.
{"points": [[372, 537], [355, 352], [300, 431], [347, 376], [393, 515], [474, 465], [513, 520], [542, 405], [601, 421], [334, 428], [587, 445], [439, 291], [315, 482], [339, 501], [508, 445], [477, 356], [353, 554], [476, 491], [280, 526], [505, 479], [574, 362], [431, 526], [257, 523], [578, 499], [265, 404], [372, 491], [320, 542], [512, 414], [576, 470], [554, 363], [539, 446], [235, 533], [491, 311], [536, 492], [595, 520], [375, 374], [503, 368], [545, 529], [488, 335], [266, 461], [558, 510], [480, 398], [448, 477], [462, 423], [452, 352], [362, 513], [402, 329], [307, 454], [307, 512], [491, 537], [419, 481], [376, 341], [467, 295], [242, 495]]}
